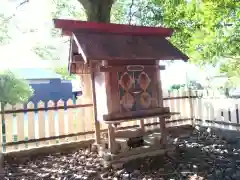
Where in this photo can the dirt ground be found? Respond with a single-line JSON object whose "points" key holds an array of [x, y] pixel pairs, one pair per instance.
{"points": [[198, 155]]}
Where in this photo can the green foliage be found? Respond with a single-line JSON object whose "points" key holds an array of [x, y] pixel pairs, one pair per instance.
{"points": [[118, 12], [231, 66], [203, 29], [191, 85], [176, 87], [68, 8], [206, 30], [13, 89], [63, 71], [60, 9], [4, 35], [46, 52]]}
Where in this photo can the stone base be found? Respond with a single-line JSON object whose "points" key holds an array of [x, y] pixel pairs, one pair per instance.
{"points": [[122, 142], [151, 147], [119, 160]]}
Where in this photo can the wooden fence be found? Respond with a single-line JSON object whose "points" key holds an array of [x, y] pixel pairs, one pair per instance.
{"points": [[217, 112], [45, 124]]}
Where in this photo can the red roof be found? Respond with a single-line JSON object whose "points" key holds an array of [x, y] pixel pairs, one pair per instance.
{"points": [[101, 41], [118, 47], [72, 25]]}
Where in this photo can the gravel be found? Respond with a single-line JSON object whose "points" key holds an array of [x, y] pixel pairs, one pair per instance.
{"points": [[199, 155]]}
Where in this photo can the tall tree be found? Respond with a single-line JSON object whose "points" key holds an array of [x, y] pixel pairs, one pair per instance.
{"points": [[97, 10], [207, 30]]}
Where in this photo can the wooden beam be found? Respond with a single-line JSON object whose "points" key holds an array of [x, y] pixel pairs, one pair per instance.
{"points": [[160, 104], [73, 25], [139, 118], [96, 122], [46, 109], [115, 68], [124, 68], [80, 49], [139, 113]]}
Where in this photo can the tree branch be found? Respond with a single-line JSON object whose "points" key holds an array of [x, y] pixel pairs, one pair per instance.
{"points": [[130, 12], [14, 14], [22, 3]]}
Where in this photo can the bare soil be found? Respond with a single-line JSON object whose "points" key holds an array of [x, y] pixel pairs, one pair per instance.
{"points": [[199, 155]]}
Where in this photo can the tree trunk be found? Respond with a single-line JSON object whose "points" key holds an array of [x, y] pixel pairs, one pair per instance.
{"points": [[98, 10]]}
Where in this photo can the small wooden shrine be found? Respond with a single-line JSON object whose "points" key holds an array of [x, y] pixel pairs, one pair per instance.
{"points": [[123, 62]]}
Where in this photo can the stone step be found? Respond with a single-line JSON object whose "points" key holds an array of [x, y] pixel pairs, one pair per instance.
{"points": [[140, 152], [152, 139], [121, 143], [129, 133], [122, 146]]}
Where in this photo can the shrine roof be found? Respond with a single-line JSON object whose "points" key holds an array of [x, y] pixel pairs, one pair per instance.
{"points": [[103, 46], [101, 41], [69, 26]]}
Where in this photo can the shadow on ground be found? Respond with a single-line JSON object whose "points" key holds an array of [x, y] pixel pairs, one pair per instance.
{"points": [[199, 154]]}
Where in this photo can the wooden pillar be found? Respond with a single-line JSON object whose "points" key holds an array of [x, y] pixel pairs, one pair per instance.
{"points": [[111, 139], [190, 99], [96, 122], [142, 127], [89, 96], [160, 104]]}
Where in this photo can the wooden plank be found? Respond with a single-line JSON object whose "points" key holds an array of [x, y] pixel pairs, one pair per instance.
{"points": [[167, 103], [86, 115], [51, 122], [138, 113], [124, 68], [73, 106], [31, 133], [162, 115], [113, 94], [237, 113], [9, 128], [89, 122], [42, 127], [45, 151], [73, 26], [142, 125], [179, 97], [80, 122], [182, 106], [50, 138], [178, 106], [71, 121], [94, 100], [233, 108], [21, 126], [61, 121], [173, 105], [190, 110], [80, 49], [10, 111], [160, 104], [111, 139]]}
